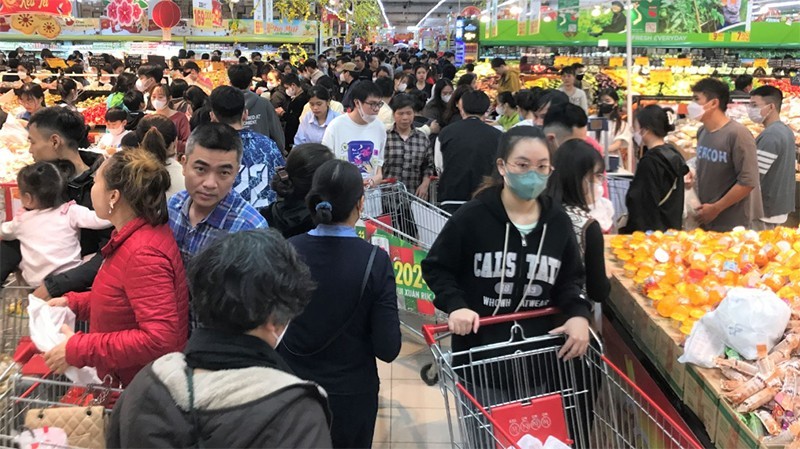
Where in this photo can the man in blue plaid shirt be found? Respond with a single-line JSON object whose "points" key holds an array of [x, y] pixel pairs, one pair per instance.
{"points": [[209, 208]]}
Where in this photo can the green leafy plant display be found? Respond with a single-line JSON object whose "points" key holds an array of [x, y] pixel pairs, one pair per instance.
{"points": [[588, 23], [690, 16]]}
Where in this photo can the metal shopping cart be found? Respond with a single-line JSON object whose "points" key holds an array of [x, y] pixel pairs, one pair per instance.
{"points": [[31, 402], [505, 394], [13, 314], [406, 226]]}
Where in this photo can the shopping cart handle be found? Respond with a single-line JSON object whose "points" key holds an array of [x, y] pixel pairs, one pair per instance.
{"points": [[430, 331]]}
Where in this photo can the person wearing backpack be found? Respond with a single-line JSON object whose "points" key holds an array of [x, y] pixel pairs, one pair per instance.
{"points": [[656, 195]]}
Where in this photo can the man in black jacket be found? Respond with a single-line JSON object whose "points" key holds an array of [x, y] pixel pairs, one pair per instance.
{"points": [[349, 78], [296, 91], [229, 388], [55, 135], [465, 152]]}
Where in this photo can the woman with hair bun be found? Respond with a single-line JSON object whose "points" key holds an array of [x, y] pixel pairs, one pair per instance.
{"points": [[656, 195], [352, 317], [138, 307], [290, 214], [159, 136]]}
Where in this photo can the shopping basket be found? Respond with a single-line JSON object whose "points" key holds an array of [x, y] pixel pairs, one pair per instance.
{"points": [[406, 226], [497, 394]]}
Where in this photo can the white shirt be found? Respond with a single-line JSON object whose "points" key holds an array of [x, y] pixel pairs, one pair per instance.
{"points": [[362, 145], [386, 116], [177, 182], [50, 238], [111, 141], [577, 97]]}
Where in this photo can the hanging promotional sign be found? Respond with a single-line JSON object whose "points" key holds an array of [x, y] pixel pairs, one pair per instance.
{"points": [[206, 14], [567, 20], [258, 16], [522, 20], [49, 7], [534, 16]]}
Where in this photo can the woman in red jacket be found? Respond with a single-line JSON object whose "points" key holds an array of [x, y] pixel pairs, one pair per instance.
{"points": [[138, 308]]}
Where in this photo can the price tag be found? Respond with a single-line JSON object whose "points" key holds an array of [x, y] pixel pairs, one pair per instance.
{"points": [[661, 76], [56, 63], [616, 62], [677, 62], [740, 36], [97, 61], [133, 61], [576, 60], [716, 37], [760, 63], [642, 61]]}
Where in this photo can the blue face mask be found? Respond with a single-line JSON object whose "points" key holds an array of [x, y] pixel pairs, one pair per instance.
{"points": [[526, 186]]}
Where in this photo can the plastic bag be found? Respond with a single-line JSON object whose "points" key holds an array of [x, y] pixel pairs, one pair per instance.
{"points": [[531, 442], [745, 319], [45, 325], [46, 437]]}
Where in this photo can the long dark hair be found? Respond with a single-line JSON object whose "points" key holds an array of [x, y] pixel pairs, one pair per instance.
{"points": [[655, 119], [452, 107], [336, 189], [295, 180], [574, 160], [437, 101], [508, 141], [615, 114]]}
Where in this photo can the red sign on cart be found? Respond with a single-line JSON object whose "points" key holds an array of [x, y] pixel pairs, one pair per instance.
{"points": [[541, 418]]}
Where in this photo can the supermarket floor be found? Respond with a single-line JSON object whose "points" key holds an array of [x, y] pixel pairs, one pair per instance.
{"points": [[410, 413]]}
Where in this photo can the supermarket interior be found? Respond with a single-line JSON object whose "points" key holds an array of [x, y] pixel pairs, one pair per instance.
{"points": [[663, 252]]}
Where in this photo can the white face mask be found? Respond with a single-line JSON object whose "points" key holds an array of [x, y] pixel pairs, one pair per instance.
{"points": [[159, 104], [402, 87], [500, 110], [755, 115], [446, 98], [290, 92], [598, 192], [140, 86], [341, 78], [637, 138], [22, 75], [279, 337], [369, 118], [695, 111], [271, 85]]}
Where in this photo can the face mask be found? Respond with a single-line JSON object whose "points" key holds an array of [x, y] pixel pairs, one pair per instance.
{"points": [[606, 108], [271, 85], [579, 77], [500, 110], [598, 192], [695, 111], [159, 104], [290, 92], [140, 86], [341, 78], [323, 66], [369, 118], [446, 98], [22, 75], [402, 87], [755, 115], [637, 138], [526, 186], [279, 338]]}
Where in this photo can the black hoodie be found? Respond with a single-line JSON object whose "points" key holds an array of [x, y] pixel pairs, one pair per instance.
{"points": [[464, 266], [660, 170]]}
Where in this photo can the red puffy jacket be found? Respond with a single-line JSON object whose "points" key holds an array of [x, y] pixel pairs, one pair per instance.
{"points": [[138, 308]]}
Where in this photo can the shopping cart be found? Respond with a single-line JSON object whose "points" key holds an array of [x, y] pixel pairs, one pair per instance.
{"points": [[618, 185], [406, 226], [27, 399], [13, 314], [497, 394]]}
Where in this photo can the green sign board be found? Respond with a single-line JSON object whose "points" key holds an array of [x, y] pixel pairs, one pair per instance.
{"points": [[655, 23]]}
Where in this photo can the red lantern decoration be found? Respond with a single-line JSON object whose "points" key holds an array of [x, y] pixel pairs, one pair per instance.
{"points": [[166, 14]]}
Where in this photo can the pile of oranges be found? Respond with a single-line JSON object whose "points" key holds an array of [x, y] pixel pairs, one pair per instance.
{"points": [[686, 274]]}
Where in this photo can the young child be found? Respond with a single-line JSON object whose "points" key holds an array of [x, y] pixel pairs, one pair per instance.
{"points": [[48, 228], [116, 120]]}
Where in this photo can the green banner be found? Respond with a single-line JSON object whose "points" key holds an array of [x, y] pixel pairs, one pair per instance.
{"points": [[670, 31]]}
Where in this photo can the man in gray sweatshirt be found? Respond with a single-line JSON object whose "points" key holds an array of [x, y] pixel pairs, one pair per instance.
{"points": [[261, 116]]}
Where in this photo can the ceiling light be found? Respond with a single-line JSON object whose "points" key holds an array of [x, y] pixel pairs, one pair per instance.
{"points": [[485, 19], [516, 10]]}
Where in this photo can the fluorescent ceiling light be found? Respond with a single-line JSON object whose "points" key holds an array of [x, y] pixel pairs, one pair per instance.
{"points": [[383, 11]]}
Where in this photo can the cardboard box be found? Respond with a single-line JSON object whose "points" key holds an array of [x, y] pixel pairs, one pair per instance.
{"points": [[701, 398], [666, 355], [623, 302]]}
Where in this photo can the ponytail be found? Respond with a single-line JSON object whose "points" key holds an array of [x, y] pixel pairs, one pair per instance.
{"points": [[335, 191], [153, 143]]}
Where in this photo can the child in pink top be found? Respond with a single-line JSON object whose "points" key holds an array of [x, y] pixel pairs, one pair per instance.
{"points": [[48, 228]]}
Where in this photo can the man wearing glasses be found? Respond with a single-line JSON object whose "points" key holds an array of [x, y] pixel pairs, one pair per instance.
{"points": [[358, 136]]}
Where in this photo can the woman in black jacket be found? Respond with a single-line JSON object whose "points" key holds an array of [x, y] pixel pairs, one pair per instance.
{"points": [[352, 317], [290, 214], [576, 183], [656, 195]]}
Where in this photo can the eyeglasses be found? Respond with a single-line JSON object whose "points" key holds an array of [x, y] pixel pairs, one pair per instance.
{"points": [[524, 167], [375, 105]]}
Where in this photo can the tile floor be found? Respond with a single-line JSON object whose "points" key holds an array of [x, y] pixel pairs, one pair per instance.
{"points": [[410, 413]]}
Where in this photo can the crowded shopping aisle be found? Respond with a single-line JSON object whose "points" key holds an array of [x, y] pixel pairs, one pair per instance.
{"points": [[374, 223]]}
